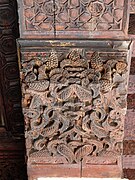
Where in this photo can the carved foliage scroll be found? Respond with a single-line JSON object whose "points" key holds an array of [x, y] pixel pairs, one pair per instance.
{"points": [[74, 104]]}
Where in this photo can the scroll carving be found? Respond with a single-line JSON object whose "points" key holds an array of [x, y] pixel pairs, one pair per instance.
{"points": [[74, 106]]}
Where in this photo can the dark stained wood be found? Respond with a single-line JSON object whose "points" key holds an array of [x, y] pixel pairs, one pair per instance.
{"points": [[2, 111], [131, 29], [12, 148], [132, 67]]}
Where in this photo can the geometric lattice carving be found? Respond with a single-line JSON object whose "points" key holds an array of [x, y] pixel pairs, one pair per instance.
{"points": [[63, 17], [92, 15], [74, 103]]}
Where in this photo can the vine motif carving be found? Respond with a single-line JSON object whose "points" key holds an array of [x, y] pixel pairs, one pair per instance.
{"points": [[74, 106], [73, 15]]}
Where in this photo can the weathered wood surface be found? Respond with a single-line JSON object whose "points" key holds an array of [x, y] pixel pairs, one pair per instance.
{"points": [[73, 18], [62, 80], [74, 105]]}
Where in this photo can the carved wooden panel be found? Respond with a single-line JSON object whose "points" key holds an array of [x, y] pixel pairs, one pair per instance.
{"points": [[9, 71], [74, 104], [12, 147], [73, 18], [90, 18]]}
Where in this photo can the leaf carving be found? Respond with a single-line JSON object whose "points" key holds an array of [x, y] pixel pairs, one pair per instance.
{"points": [[65, 93], [41, 153], [83, 94], [85, 124], [30, 77], [39, 144], [36, 102], [96, 62], [98, 130], [65, 123], [49, 131], [32, 113], [39, 85], [82, 152], [65, 151], [52, 60]]}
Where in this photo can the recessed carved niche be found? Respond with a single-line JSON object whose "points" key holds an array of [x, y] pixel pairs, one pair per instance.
{"points": [[66, 18], [74, 105]]}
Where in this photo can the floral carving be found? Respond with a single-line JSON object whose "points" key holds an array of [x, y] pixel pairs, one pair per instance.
{"points": [[75, 112], [50, 8], [96, 8]]}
